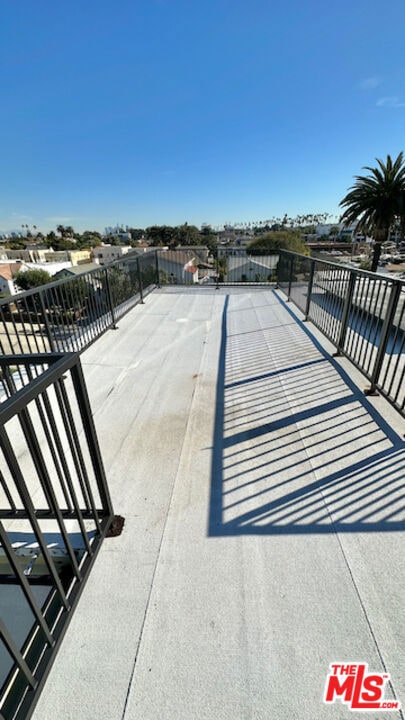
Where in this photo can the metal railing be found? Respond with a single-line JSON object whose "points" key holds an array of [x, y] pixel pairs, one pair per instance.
{"points": [[55, 510], [69, 314], [361, 313], [230, 267]]}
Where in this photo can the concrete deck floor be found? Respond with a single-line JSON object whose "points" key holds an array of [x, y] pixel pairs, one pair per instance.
{"points": [[264, 505]]}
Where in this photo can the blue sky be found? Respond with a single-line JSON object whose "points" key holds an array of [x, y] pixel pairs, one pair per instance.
{"points": [[164, 111]]}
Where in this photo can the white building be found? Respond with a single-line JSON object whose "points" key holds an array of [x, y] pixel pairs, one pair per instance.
{"points": [[105, 254], [8, 271]]}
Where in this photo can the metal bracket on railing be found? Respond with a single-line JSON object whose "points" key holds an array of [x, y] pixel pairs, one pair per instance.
{"points": [[116, 526]]}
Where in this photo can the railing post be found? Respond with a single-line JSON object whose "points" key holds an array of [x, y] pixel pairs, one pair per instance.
{"points": [[110, 300], [140, 280], [385, 333], [46, 321], [157, 269], [309, 289], [290, 277], [344, 323]]}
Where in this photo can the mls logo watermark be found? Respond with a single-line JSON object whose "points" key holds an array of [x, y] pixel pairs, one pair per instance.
{"points": [[352, 684]]}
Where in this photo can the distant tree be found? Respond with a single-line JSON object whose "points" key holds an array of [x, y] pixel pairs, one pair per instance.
{"points": [[120, 285], [273, 242], [186, 235], [160, 234], [207, 231], [61, 243], [375, 201], [28, 279], [89, 238], [212, 244], [136, 233], [16, 244]]}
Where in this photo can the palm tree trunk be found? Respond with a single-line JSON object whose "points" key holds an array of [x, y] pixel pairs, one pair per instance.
{"points": [[381, 235], [376, 256]]}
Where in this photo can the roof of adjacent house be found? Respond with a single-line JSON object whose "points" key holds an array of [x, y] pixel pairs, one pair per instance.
{"points": [[80, 269], [9, 270], [177, 256]]}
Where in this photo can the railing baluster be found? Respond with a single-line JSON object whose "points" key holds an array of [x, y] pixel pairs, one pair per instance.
{"points": [[309, 288], [346, 314], [385, 333], [57, 478]]}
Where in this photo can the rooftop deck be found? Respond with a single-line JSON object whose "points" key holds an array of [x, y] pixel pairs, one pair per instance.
{"points": [[264, 520]]}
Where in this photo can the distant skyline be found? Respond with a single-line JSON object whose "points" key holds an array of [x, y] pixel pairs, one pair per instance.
{"points": [[155, 112]]}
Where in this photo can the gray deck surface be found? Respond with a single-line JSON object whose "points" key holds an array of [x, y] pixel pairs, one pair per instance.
{"points": [[263, 497]]}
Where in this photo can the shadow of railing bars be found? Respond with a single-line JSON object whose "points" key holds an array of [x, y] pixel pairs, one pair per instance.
{"points": [[298, 449]]}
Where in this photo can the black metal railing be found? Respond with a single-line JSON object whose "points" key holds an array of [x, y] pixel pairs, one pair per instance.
{"points": [[361, 313], [230, 267], [69, 314], [55, 510]]}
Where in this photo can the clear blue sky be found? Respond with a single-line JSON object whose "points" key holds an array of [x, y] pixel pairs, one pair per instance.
{"points": [[166, 111]]}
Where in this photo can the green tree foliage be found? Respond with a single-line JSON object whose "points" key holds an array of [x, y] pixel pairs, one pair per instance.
{"points": [[173, 236], [272, 242], [120, 284], [89, 238], [375, 201], [137, 233], [75, 293], [65, 231], [187, 235], [28, 279], [160, 234], [212, 244], [15, 244], [62, 243]]}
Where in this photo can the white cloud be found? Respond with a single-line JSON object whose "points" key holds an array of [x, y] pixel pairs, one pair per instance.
{"points": [[371, 82], [390, 102]]}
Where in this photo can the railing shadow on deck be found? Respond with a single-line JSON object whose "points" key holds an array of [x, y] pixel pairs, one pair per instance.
{"points": [[297, 447]]}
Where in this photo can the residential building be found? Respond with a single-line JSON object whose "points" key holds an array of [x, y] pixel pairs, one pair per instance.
{"points": [[245, 268], [178, 267], [8, 271], [104, 254], [75, 270]]}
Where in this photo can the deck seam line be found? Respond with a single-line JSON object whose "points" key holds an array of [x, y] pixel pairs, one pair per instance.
{"points": [[175, 480]]}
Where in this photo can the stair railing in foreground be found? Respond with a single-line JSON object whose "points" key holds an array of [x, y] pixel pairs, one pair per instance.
{"points": [[69, 314], [361, 313], [55, 511]]}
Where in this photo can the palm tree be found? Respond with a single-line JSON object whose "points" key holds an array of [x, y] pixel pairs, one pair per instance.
{"points": [[375, 201]]}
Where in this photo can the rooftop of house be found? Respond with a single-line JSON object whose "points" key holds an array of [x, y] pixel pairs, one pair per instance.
{"points": [[264, 519], [8, 270], [79, 269]]}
